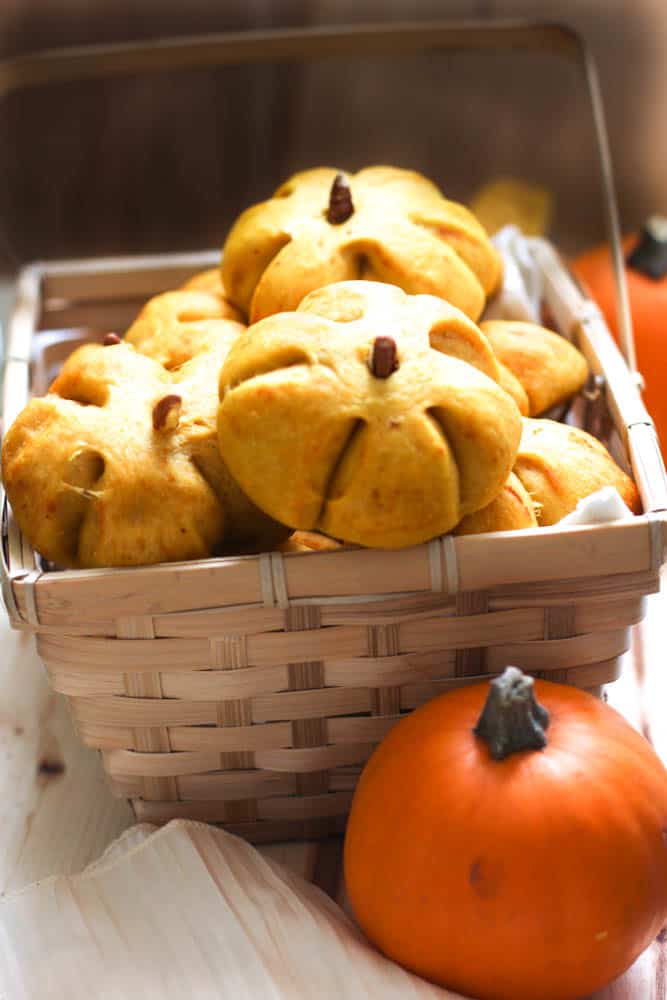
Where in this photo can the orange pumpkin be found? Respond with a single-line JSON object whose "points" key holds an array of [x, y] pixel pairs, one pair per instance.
{"points": [[646, 277], [511, 847]]}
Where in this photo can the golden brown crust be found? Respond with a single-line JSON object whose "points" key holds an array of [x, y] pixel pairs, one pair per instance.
{"points": [[119, 465], [547, 366], [402, 231], [511, 384], [320, 443], [559, 465], [211, 282], [89, 480], [175, 327], [511, 510]]}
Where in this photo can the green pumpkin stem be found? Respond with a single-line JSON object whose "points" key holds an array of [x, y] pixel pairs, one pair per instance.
{"points": [[512, 720], [649, 257]]}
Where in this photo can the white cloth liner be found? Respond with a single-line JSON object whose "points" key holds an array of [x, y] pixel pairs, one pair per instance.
{"points": [[601, 507], [521, 295]]}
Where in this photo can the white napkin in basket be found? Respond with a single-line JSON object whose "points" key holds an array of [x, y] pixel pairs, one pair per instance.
{"points": [[601, 507], [521, 295]]}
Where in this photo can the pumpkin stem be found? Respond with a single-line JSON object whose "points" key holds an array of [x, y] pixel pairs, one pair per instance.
{"points": [[167, 412], [649, 257], [512, 720], [340, 201], [383, 357]]}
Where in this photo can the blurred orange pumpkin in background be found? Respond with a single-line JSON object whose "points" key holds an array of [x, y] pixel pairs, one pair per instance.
{"points": [[646, 276]]}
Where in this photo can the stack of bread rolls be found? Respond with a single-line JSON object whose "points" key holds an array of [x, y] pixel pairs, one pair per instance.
{"points": [[331, 383]]}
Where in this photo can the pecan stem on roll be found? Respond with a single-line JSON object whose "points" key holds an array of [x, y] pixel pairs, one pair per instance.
{"points": [[384, 357], [166, 413], [340, 201]]}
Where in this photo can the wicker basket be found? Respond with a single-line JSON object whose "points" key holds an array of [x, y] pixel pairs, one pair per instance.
{"points": [[249, 691]]}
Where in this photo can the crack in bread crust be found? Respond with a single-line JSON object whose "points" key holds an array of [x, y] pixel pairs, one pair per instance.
{"points": [[358, 427], [380, 461]]}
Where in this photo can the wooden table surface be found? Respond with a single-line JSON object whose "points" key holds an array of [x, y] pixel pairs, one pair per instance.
{"points": [[57, 814]]}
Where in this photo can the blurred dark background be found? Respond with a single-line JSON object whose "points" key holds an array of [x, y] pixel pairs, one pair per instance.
{"points": [[165, 162]]}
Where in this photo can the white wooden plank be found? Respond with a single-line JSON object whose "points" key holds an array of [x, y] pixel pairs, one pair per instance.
{"points": [[56, 811]]}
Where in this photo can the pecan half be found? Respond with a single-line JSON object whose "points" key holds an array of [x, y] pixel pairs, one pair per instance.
{"points": [[166, 413], [110, 339], [340, 201], [384, 357]]}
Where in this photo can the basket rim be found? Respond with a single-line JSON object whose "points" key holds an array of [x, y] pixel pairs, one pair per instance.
{"points": [[446, 565]]}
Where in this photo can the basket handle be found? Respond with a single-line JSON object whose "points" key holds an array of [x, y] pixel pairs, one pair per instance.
{"points": [[176, 54], [575, 313], [624, 316]]}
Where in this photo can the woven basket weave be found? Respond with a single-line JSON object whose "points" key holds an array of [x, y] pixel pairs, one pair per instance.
{"points": [[249, 691]]}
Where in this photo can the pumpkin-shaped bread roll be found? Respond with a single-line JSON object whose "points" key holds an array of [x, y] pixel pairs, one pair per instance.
{"points": [[511, 510], [176, 326], [195, 325], [197, 322], [559, 465], [548, 367], [367, 414], [383, 224], [118, 465], [209, 281]]}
